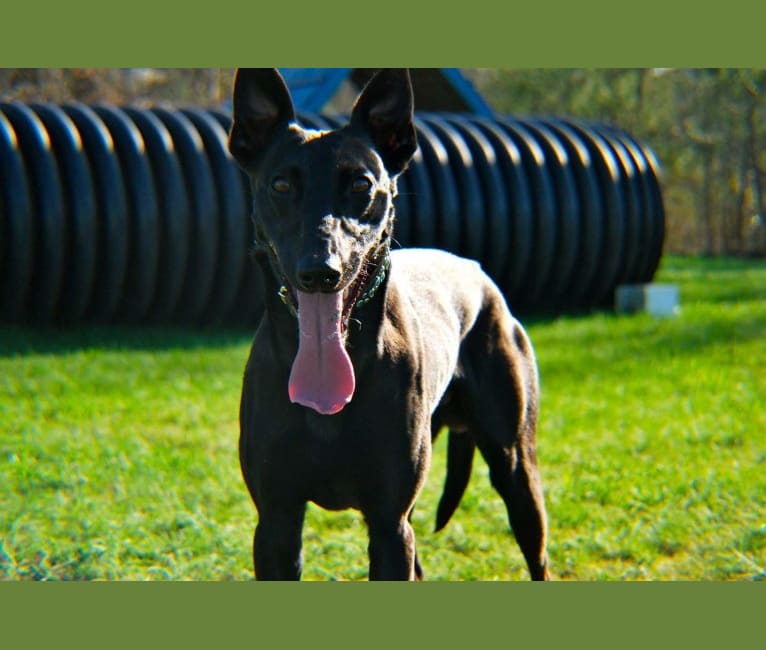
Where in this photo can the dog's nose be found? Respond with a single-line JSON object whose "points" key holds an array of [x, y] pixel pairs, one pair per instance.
{"points": [[313, 276]]}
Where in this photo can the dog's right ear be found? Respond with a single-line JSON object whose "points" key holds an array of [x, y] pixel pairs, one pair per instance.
{"points": [[384, 109], [261, 106]]}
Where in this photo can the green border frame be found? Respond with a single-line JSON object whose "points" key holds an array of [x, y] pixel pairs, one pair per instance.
{"points": [[609, 615], [480, 33]]}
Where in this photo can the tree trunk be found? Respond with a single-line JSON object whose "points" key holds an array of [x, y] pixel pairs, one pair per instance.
{"points": [[707, 200], [739, 205], [752, 141]]}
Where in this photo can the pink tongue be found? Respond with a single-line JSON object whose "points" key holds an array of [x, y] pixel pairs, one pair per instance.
{"points": [[322, 376]]}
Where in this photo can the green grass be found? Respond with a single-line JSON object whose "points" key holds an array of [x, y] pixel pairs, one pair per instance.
{"points": [[118, 452]]}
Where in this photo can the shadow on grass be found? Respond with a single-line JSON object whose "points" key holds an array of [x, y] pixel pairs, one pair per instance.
{"points": [[617, 338], [27, 340], [720, 282], [722, 306], [733, 295], [626, 339]]}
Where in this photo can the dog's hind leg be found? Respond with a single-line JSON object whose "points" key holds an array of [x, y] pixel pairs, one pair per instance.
{"points": [[513, 473], [501, 394], [277, 546], [512, 469]]}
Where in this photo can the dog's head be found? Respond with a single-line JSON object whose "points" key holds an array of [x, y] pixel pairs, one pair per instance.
{"points": [[323, 200]]}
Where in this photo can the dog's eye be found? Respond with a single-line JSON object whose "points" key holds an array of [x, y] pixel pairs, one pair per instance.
{"points": [[361, 184], [281, 185]]}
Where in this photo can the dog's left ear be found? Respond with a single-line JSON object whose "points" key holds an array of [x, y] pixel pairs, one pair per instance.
{"points": [[261, 107], [384, 109]]}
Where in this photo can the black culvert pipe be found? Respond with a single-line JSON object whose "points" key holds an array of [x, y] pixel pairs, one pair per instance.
{"points": [[174, 232], [123, 214], [17, 246], [112, 229], [49, 219]]}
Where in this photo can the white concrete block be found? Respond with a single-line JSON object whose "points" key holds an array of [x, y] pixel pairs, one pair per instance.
{"points": [[655, 299]]}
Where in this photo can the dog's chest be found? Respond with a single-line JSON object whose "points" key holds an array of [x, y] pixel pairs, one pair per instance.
{"points": [[323, 428], [330, 472]]}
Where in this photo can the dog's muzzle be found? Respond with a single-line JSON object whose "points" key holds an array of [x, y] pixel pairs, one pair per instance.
{"points": [[359, 293]]}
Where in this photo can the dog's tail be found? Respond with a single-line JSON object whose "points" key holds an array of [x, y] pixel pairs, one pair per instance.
{"points": [[460, 450]]}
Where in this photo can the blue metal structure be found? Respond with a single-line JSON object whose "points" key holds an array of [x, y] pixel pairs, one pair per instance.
{"points": [[313, 88]]}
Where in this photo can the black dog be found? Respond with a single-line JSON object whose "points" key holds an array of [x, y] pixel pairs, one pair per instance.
{"points": [[363, 352]]}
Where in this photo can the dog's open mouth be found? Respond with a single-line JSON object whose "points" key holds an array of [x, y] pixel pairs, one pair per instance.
{"points": [[357, 293], [322, 375]]}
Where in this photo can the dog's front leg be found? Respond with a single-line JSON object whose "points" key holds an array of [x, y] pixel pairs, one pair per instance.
{"points": [[391, 550], [277, 549]]}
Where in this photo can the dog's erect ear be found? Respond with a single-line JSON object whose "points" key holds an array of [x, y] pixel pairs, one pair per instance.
{"points": [[261, 106], [384, 109]]}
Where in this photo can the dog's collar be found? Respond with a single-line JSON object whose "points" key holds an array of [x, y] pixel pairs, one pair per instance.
{"points": [[366, 295], [369, 293]]}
